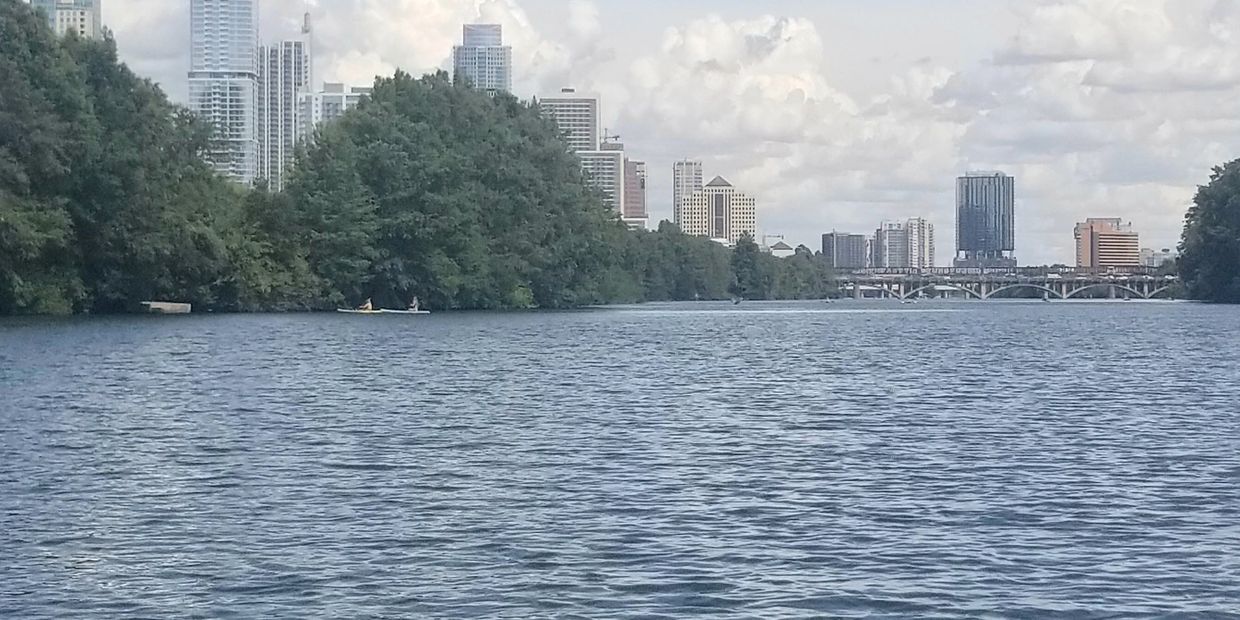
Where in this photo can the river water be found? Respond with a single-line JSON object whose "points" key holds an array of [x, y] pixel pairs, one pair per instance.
{"points": [[801, 460]]}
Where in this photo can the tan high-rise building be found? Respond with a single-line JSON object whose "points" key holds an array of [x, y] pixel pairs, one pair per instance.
{"points": [[1106, 242], [720, 212]]}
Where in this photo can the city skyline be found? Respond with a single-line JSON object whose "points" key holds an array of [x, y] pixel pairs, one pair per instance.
{"points": [[604, 160], [1093, 132]]}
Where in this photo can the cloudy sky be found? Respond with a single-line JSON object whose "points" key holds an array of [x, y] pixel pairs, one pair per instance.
{"points": [[837, 114]]}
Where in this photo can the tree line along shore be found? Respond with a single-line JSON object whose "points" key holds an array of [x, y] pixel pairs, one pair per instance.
{"points": [[427, 189]]}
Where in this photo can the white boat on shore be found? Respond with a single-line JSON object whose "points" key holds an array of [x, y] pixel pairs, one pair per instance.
{"points": [[167, 307]]}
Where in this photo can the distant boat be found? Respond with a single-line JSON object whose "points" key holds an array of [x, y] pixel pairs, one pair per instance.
{"points": [[415, 307], [736, 301], [366, 308]]}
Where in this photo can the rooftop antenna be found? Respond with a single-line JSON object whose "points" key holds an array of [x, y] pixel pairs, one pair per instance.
{"points": [[307, 31]]}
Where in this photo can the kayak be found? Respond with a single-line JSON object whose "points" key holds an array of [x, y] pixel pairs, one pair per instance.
{"points": [[405, 311], [343, 311]]}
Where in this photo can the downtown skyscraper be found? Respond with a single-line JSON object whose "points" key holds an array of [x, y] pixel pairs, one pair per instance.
{"points": [[83, 17], [622, 181], [327, 105], [576, 116], [986, 220], [720, 212], [1106, 242], [686, 179], [844, 251], [224, 84], [904, 245], [284, 81], [635, 213], [482, 60]]}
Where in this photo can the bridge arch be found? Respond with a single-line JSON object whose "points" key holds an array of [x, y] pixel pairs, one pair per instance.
{"points": [[1119, 287], [915, 292], [1159, 291], [1014, 287]]}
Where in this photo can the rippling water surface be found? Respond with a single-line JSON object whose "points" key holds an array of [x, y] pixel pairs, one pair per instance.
{"points": [[945, 460]]}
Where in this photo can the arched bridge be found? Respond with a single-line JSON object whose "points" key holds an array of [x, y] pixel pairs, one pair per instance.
{"points": [[1137, 283]]}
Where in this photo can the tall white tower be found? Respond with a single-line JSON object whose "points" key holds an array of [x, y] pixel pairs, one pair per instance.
{"points": [[284, 78], [223, 82], [576, 116], [686, 179]]}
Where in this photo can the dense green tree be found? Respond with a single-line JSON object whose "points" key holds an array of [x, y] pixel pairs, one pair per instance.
{"points": [[44, 122], [754, 271], [464, 199], [149, 214], [104, 198], [270, 270], [803, 276], [1209, 262], [427, 189], [668, 265]]}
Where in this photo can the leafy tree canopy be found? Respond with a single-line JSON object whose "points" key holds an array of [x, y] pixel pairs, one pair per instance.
{"points": [[1209, 262]]}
